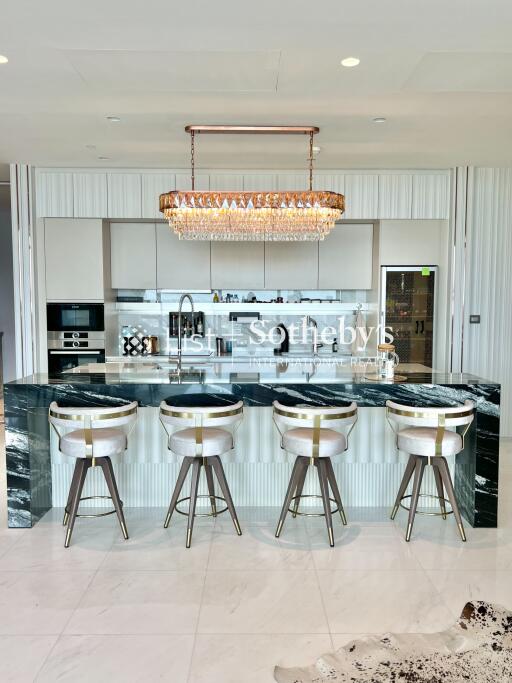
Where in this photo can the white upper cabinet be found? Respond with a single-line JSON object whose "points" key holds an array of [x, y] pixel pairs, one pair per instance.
{"points": [[291, 265], [90, 195], [124, 195], [226, 181], [153, 185], [133, 255], [293, 181], [332, 182], [238, 265], [181, 264], [74, 259], [54, 194], [184, 181], [266, 182], [395, 196], [431, 196], [361, 196], [346, 257]]}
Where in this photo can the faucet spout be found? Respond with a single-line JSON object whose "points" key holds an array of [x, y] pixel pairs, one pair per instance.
{"points": [[311, 323], [180, 306]]}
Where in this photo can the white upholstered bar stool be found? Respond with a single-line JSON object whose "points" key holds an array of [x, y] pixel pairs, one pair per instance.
{"points": [[428, 435], [314, 435], [204, 433], [92, 436]]}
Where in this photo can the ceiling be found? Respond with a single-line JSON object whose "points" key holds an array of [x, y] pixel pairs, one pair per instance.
{"points": [[439, 71]]}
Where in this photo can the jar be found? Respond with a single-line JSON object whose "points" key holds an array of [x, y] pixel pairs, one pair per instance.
{"points": [[387, 360]]}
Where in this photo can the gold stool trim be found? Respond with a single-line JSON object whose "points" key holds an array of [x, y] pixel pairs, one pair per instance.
{"points": [[429, 514], [201, 514], [311, 514], [99, 514]]}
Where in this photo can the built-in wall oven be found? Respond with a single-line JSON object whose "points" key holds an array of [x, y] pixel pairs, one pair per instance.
{"points": [[76, 335]]}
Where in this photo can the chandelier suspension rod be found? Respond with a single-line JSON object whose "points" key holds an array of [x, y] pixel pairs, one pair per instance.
{"points": [[192, 160], [311, 161]]}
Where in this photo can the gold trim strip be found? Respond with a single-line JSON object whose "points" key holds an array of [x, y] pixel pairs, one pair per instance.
{"points": [[431, 415], [77, 417], [440, 434], [190, 416], [312, 416]]}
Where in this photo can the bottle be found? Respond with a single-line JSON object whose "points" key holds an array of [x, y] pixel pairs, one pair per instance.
{"points": [[215, 297], [199, 326], [335, 345]]}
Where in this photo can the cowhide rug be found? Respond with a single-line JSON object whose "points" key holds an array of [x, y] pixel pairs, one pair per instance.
{"points": [[477, 649]]}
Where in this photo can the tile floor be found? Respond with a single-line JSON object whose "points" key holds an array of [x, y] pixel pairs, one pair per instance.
{"points": [[230, 608]]}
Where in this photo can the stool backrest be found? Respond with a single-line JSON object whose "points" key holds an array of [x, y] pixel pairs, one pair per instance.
{"points": [[120, 417], [412, 416], [338, 417], [196, 416]]}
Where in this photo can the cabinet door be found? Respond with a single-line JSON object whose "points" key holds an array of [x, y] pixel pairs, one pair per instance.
{"points": [[89, 195], [181, 264], [291, 265], [345, 258], [54, 194], [133, 255], [124, 198], [238, 265], [74, 259]]}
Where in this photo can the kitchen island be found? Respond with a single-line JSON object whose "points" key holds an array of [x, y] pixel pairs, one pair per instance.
{"points": [[258, 384]]}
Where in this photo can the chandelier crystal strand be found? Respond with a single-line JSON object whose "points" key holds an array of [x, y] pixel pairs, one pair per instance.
{"points": [[252, 216]]}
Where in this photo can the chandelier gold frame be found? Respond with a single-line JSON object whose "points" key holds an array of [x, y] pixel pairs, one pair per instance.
{"points": [[291, 215]]}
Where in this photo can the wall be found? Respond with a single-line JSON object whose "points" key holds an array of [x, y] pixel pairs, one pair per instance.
{"points": [[422, 243], [6, 286], [486, 347]]}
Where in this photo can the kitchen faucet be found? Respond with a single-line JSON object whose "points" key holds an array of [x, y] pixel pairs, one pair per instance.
{"points": [[180, 306], [311, 322]]}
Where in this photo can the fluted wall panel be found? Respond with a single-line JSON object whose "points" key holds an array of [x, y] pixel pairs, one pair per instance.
{"points": [[258, 470], [486, 347]]}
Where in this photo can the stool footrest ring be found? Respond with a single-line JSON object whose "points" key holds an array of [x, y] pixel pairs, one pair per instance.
{"points": [[201, 514], [99, 514], [432, 497], [312, 514]]}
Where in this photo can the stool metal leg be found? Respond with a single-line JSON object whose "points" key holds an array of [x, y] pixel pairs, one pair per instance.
{"points": [[196, 469], [448, 485], [108, 473], [324, 488], [211, 487], [292, 487], [185, 466], [418, 476], [301, 478], [409, 471], [74, 482], [439, 486], [221, 478], [335, 490], [83, 465]]}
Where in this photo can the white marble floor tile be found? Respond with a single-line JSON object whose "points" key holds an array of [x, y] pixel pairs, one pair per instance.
{"points": [[33, 603], [9, 537], [21, 657], [361, 601], [129, 658], [259, 550], [250, 516], [459, 587], [153, 548], [365, 548], [252, 658], [139, 602], [262, 602]]}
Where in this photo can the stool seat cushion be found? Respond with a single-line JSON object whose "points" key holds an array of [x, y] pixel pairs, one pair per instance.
{"points": [[106, 442], [215, 441], [299, 442], [422, 441]]}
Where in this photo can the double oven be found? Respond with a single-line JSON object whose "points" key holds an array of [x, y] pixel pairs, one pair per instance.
{"points": [[76, 335]]}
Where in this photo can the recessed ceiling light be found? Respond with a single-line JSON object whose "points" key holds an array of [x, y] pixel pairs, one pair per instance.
{"points": [[3, 59], [350, 61], [379, 119], [113, 119], [104, 158]]}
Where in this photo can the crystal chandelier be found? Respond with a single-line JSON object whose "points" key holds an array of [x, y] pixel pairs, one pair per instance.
{"points": [[289, 215]]}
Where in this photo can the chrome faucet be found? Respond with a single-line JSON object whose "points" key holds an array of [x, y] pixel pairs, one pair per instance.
{"points": [[180, 306], [311, 323]]}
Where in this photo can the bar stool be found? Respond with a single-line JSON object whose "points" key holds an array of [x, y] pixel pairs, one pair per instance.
{"points": [[102, 432], [303, 433], [203, 436], [424, 434]]}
